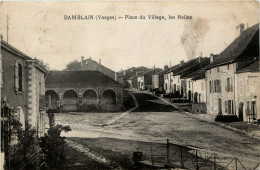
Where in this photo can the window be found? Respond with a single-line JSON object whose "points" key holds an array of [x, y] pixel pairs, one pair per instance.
{"points": [[217, 86], [247, 85], [217, 69], [228, 67], [229, 85], [229, 107], [240, 87], [18, 76], [211, 86], [165, 86], [226, 106], [209, 71]]}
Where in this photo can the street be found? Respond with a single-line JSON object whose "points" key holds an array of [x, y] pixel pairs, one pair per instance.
{"points": [[156, 121]]}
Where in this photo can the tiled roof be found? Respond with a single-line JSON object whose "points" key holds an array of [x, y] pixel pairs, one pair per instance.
{"points": [[198, 65], [22, 55], [88, 77], [12, 49], [251, 67], [196, 75], [245, 47], [188, 66], [151, 70]]}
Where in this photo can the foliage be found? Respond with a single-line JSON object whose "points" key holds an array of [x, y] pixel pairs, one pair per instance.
{"points": [[72, 66], [43, 64], [226, 118], [25, 138], [53, 145]]}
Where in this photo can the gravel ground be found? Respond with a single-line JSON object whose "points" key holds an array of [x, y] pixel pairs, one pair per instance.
{"points": [[150, 126]]}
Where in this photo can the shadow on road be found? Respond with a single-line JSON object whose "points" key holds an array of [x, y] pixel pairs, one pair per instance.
{"points": [[149, 103]]}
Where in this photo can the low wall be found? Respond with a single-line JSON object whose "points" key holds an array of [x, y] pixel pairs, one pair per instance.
{"points": [[199, 108]]}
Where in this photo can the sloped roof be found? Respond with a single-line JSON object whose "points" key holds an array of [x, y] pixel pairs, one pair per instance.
{"points": [[14, 50], [84, 77], [251, 67], [178, 69], [156, 70], [196, 75], [245, 47], [22, 55], [198, 65]]}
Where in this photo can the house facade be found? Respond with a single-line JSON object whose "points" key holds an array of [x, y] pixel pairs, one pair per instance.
{"points": [[73, 91], [90, 64], [221, 78], [22, 92], [144, 80], [247, 88]]}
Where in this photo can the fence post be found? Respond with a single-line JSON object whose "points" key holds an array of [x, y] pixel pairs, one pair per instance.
{"points": [[236, 163], [215, 166], [182, 163], [168, 152], [197, 162], [152, 155]]}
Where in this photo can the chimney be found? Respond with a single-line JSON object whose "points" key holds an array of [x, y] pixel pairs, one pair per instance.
{"points": [[100, 61], [212, 57], [199, 59], [124, 72], [166, 67], [241, 28], [182, 62], [82, 60], [116, 76]]}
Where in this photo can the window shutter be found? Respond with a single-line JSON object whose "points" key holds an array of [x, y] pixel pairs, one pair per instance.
{"points": [[16, 77], [226, 106]]}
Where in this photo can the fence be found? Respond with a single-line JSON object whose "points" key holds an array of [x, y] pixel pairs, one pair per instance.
{"points": [[188, 157]]}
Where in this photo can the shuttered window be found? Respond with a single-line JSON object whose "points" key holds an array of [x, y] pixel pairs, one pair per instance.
{"points": [[18, 77]]}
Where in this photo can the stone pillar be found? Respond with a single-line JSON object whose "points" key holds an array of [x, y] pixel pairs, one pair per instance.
{"points": [[98, 101], [80, 101], [61, 100]]}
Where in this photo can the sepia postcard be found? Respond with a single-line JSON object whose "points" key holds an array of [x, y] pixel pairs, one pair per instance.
{"points": [[89, 85]]}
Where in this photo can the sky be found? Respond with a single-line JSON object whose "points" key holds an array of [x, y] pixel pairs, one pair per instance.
{"points": [[39, 30]]}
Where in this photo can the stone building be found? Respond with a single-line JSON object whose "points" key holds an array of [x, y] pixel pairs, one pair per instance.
{"points": [[89, 64], [22, 91], [144, 80], [220, 73], [247, 88], [73, 91]]}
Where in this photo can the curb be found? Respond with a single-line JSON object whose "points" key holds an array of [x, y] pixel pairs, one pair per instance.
{"points": [[216, 123]]}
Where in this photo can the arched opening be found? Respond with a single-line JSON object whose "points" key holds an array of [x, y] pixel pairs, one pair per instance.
{"points": [[240, 111], [21, 116], [70, 102], [51, 99], [89, 100], [108, 97]]}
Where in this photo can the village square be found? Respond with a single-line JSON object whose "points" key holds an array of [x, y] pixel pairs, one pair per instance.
{"points": [[201, 112]]}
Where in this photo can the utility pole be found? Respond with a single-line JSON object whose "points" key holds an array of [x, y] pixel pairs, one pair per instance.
{"points": [[7, 27]]}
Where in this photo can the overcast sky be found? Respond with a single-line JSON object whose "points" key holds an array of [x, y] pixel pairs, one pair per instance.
{"points": [[39, 30]]}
